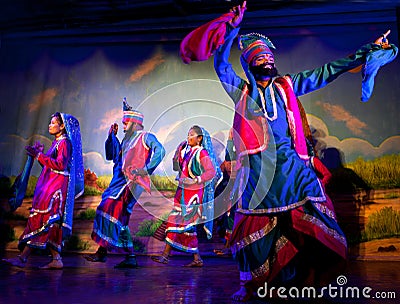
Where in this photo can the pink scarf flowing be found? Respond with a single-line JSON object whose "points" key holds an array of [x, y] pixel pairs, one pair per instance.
{"points": [[200, 44]]}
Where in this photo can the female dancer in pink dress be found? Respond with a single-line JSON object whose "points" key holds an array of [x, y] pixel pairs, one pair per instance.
{"points": [[193, 198], [60, 181]]}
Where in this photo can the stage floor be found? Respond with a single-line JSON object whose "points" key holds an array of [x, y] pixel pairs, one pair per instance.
{"points": [[83, 282]]}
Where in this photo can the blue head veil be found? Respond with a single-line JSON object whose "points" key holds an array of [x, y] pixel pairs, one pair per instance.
{"points": [[76, 171], [209, 188]]}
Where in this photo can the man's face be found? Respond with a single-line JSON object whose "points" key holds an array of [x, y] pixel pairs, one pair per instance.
{"points": [[263, 59], [263, 66], [130, 126]]}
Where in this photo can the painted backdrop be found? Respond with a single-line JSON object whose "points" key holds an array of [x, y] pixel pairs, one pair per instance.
{"points": [[89, 80]]}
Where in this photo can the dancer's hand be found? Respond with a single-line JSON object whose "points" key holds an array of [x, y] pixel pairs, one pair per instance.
{"points": [[239, 12], [113, 128], [187, 181], [31, 151], [382, 40], [39, 146], [132, 174], [140, 172]]}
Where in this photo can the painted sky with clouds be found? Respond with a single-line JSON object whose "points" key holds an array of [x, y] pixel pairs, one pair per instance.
{"points": [[89, 82]]}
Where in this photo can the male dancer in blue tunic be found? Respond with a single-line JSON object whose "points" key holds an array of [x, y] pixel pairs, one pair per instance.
{"points": [[277, 228], [134, 161]]}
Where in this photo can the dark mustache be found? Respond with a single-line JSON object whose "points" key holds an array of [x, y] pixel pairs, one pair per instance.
{"points": [[265, 69]]}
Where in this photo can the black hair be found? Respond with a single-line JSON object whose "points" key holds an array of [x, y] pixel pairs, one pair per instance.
{"points": [[198, 131], [58, 116]]}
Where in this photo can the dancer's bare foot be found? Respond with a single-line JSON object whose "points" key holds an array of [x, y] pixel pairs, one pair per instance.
{"points": [[242, 295], [54, 264], [18, 261]]}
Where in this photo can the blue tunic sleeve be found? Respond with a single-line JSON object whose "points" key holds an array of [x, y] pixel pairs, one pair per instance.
{"points": [[231, 82], [314, 79], [112, 147], [157, 152]]}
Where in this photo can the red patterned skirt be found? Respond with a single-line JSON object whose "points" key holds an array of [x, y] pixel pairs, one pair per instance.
{"points": [[43, 229], [284, 247], [181, 223], [110, 227]]}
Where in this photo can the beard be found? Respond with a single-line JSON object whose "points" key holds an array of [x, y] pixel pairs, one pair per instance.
{"points": [[128, 132], [263, 70]]}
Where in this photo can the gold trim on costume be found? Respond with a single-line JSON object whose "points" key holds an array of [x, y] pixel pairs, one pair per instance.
{"points": [[280, 209], [325, 210], [65, 173], [265, 267], [311, 219], [255, 236], [57, 195]]}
